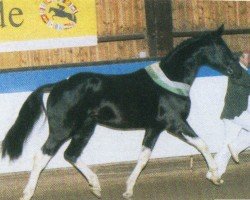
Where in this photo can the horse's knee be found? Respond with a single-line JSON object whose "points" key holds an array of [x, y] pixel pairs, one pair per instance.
{"points": [[144, 156], [197, 142], [51, 147], [69, 157]]}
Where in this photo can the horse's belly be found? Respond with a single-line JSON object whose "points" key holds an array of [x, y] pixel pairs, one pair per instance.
{"points": [[119, 116]]}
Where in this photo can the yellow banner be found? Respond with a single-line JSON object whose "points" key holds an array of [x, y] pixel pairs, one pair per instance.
{"points": [[72, 22]]}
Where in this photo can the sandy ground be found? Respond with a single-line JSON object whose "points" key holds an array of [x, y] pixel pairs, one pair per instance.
{"points": [[174, 185]]}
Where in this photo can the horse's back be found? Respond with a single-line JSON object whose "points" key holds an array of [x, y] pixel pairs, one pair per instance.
{"points": [[120, 101]]}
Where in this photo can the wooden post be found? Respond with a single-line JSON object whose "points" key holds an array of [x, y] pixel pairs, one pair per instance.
{"points": [[151, 27], [164, 26], [159, 26]]}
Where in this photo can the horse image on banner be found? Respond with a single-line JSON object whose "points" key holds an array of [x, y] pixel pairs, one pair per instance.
{"points": [[59, 12]]}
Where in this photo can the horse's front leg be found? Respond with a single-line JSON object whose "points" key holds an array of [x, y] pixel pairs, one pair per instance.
{"points": [[223, 156], [148, 144], [192, 138]]}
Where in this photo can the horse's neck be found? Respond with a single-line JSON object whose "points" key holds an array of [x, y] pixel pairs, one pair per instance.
{"points": [[182, 70]]}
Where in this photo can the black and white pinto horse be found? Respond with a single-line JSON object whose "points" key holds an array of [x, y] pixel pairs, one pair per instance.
{"points": [[133, 101]]}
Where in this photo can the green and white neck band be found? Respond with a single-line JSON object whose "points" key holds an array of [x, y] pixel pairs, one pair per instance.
{"points": [[158, 76]]}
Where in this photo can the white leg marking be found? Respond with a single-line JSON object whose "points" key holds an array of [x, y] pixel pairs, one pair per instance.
{"points": [[212, 166], [141, 163], [40, 162], [90, 176], [222, 158], [231, 131]]}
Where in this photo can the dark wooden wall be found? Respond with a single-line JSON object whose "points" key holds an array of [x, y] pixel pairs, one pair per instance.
{"points": [[200, 15], [128, 27]]}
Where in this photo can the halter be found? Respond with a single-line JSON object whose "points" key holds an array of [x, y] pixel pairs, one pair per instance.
{"points": [[158, 76]]}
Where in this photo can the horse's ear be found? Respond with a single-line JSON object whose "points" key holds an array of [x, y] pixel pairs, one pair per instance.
{"points": [[220, 30]]}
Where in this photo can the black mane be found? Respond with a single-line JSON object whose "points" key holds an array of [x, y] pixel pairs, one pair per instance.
{"points": [[185, 43], [174, 62]]}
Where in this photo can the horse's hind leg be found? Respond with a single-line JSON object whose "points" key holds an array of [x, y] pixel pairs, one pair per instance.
{"points": [[79, 141], [148, 144], [41, 160], [192, 138]]}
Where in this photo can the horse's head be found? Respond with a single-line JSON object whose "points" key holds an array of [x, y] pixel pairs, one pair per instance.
{"points": [[219, 56]]}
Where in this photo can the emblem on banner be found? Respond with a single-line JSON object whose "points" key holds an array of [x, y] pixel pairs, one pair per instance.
{"points": [[58, 14]]}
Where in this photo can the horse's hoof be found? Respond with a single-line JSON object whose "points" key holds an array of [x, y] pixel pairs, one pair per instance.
{"points": [[217, 181], [214, 179], [25, 198], [97, 192], [127, 195], [235, 156], [27, 194], [209, 175]]}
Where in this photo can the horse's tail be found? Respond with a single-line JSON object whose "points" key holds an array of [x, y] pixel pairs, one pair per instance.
{"points": [[30, 112]]}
